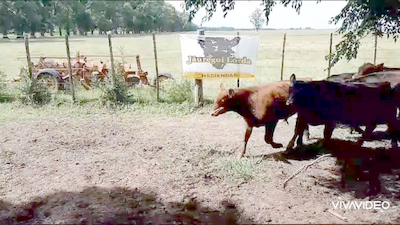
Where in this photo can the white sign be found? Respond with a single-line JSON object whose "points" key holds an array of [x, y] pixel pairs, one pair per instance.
{"points": [[221, 57]]}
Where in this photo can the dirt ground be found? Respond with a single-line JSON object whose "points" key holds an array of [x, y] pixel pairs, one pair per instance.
{"points": [[162, 169]]}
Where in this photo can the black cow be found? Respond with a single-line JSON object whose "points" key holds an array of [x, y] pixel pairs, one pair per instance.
{"points": [[218, 47], [343, 77], [331, 103]]}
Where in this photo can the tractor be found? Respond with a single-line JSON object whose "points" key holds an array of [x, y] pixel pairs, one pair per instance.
{"points": [[55, 75]]}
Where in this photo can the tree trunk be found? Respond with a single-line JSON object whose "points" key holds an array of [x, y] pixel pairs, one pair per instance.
{"points": [[60, 31], [92, 31], [42, 33], [33, 34], [5, 32]]}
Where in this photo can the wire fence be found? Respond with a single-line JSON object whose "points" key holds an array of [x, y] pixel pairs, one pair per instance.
{"points": [[279, 55]]}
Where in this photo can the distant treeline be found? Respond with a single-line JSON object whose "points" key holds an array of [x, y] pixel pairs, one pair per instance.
{"points": [[233, 29], [85, 16]]}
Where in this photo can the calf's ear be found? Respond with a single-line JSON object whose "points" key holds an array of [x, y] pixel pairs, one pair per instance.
{"points": [[292, 79], [231, 93]]}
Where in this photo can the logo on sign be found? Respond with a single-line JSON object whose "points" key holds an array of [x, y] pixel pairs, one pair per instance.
{"points": [[218, 52]]}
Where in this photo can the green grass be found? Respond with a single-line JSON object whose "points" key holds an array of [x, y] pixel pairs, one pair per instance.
{"points": [[244, 169], [175, 99], [12, 111]]}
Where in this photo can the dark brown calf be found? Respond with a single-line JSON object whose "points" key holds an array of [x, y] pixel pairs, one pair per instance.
{"points": [[259, 106], [353, 103]]}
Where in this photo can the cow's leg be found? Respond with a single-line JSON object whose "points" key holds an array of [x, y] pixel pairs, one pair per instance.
{"points": [[329, 127], [394, 134], [301, 125], [247, 135], [367, 133], [269, 135], [307, 132], [305, 128]]}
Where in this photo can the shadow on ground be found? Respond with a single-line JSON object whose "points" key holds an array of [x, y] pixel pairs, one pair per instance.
{"points": [[95, 205], [364, 171]]}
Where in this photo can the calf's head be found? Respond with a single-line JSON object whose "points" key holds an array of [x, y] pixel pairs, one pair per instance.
{"points": [[223, 102], [367, 68], [289, 100]]}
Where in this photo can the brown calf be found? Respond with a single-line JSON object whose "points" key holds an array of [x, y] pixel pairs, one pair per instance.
{"points": [[259, 106], [368, 68]]}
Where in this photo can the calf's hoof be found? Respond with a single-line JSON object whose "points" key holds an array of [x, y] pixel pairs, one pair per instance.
{"points": [[276, 145]]}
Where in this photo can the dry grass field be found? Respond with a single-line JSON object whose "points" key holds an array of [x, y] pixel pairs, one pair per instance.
{"points": [[160, 163]]}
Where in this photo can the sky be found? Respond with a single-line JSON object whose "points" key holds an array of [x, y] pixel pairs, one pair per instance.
{"points": [[312, 15]]}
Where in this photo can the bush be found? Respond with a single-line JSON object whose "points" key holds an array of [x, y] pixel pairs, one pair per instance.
{"points": [[178, 91], [5, 92], [2, 84], [31, 93], [113, 93]]}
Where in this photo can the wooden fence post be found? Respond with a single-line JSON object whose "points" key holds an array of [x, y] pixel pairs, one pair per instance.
{"points": [[330, 52], [156, 65], [375, 48], [70, 68], [198, 83], [238, 80], [283, 55], [28, 58], [112, 60]]}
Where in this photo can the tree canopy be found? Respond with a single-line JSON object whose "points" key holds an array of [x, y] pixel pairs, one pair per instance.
{"points": [[82, 16], [359, 18]]}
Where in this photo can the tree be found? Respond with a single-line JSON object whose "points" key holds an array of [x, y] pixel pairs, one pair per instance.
{"points": [[6, 17], [360, 18], [81, 16], [127, 17], [257, 19]]}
